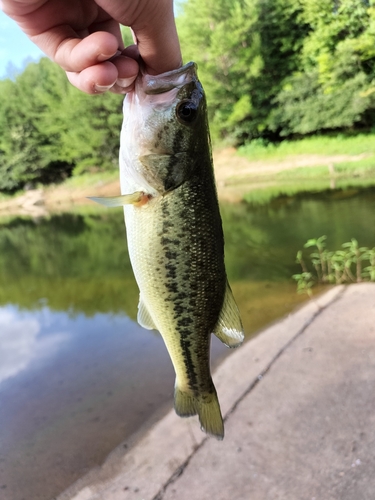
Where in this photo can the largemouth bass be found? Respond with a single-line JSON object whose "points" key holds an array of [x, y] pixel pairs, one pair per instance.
{"points": [[174, 232]]}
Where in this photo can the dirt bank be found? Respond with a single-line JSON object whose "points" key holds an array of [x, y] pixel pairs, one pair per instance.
{"points": [[235, 176]]}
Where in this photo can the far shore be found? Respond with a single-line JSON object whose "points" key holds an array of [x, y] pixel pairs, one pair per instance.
{"points": [[235, 175]]}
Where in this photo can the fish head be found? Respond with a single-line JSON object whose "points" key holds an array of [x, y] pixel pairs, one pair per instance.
{"points": [[164, 132]]}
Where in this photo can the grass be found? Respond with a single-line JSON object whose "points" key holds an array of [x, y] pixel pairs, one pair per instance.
{"points": [[317, 178], [259, 149], [262, 196], [6, 197], [75, 182], [91, 179], [319, 171], [363, 167]]}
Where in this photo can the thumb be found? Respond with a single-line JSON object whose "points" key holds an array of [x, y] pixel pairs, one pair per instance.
{"points": [[158, 44]]}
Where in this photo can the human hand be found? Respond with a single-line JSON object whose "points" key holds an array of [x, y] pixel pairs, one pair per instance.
{"points": [[84, 38]]}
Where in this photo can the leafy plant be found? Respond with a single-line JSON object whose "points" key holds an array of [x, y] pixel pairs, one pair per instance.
{"points": [[342, 266]]}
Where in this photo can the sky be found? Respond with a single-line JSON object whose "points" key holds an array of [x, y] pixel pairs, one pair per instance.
{"points": [[15, 47]]}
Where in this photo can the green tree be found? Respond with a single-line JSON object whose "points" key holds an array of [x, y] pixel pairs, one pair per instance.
{"points": [[48, 128], [244, 50], [90, 130], [334, 86], [283, 67], [27, 145]]}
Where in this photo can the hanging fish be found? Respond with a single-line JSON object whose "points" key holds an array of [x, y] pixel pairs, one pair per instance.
{"points": [[174, 231]]}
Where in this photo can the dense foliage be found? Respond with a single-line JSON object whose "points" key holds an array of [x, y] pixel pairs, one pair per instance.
{"points": [[271, 69], [48, 128], [244, 49], [281, 67]]}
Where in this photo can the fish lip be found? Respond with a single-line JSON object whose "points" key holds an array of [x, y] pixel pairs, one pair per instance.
{"points": [[158, 84]]}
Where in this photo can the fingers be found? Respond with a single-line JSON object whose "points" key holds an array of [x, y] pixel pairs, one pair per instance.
{"points": [[12, 8], [86, 39], [96, 79], [117, 75], [73, 53], [127, 69], [159, 54], [157, 40], [108, 26], [86, 60]]}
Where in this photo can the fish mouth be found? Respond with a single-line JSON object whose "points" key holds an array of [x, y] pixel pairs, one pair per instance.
{"points": [[175, 79]]}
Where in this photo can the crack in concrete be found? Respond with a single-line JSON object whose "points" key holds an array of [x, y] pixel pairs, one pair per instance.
{"points": [[282, 350], [180, 470]]}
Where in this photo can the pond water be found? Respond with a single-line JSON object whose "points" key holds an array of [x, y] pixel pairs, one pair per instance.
{"points": [[78, 376]]}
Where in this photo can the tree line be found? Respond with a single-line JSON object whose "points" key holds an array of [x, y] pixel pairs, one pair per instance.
{"points": [[49, 129], [271, 69]]}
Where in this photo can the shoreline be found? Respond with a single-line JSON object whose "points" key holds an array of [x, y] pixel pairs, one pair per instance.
{"points": [[235, 176]]}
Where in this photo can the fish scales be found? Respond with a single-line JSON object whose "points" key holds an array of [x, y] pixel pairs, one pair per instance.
{"points": [[182, 275], [174, 232]]}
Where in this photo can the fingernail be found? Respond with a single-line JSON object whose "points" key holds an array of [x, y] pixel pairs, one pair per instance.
{"points": [[106, 57], [118, 53], [102, 88], [125, 82]]}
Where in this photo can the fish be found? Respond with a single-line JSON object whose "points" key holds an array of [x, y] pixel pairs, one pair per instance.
{"points": [[174, 232]]}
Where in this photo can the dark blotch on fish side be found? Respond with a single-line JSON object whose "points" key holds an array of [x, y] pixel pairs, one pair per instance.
{"points": [[192, 376], [178, 310], [172, 287], [171, 255], [186, 321], [167, 225], [171, 271]]}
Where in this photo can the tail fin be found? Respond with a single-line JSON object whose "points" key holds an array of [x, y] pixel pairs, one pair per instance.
{"points": [[207, 407]]}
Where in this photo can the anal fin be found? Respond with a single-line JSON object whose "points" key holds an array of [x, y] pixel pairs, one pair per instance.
{"points": [[229, 326], [144, 317]]}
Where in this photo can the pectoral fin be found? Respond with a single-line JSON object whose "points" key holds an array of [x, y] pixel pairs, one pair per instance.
{"points": [[158, 161], [144, 317], [119, 201], [166, 172], [229, 326]]}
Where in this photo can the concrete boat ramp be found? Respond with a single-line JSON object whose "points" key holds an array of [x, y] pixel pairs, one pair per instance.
{"points": [[299, 406]]}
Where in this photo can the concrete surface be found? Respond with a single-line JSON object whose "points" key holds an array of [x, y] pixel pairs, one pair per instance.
{"points": [[299, 401]]}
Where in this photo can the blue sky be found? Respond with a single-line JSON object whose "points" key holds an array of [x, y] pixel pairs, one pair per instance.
{"points": [[15, 47]]}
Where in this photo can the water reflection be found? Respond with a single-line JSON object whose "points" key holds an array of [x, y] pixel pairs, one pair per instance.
{"points": [[71, 262], [262, 241], [77, 374], [18, 339], [74, 387], [21, 342]]}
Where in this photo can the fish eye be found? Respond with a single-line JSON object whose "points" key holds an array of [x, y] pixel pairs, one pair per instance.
{"points": [[186, 112]]}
